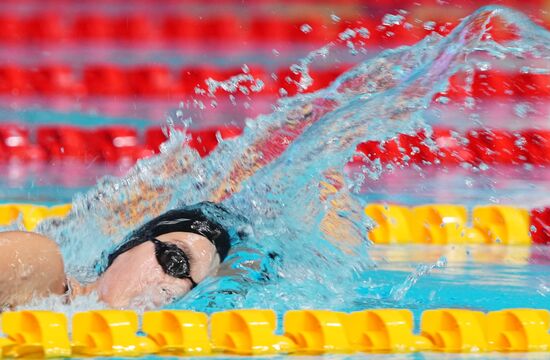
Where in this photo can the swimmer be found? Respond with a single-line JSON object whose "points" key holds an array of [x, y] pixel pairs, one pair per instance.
{"points": [[160, 261]]}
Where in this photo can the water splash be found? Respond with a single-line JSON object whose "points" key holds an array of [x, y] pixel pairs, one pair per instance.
{"points": [[285, 174]]}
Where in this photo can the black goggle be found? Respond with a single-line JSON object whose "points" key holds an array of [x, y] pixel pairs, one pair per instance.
{"points": [[173, 260]]}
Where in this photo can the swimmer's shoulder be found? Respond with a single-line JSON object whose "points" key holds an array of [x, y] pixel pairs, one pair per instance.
{"points": [[31, 265]]}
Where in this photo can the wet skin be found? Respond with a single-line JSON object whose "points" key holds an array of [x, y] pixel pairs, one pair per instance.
{"points": [[31, 266]]}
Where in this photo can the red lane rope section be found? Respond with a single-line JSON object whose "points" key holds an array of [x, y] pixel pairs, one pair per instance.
{"points": [[144, 28], [444, 146], [161, 81]]}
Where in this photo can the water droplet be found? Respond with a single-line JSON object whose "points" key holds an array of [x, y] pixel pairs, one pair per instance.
{"points": [[522, 110], [306, 28], [392, 20], [347, 34], [363, 32], [483, 166], [443, 100], [275, 52], [335, 18], [429, 25]]}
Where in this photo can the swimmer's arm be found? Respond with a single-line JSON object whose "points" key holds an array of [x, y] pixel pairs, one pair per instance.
{"points": [[31, 265], [145, 199]]}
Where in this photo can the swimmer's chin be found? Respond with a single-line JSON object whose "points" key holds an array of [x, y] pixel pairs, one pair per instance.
{"points": [[79, 293]]}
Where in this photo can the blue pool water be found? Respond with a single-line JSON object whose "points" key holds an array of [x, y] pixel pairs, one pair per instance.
{"points": [[324, 266]]}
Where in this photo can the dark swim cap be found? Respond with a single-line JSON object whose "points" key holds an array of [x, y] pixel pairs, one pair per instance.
{"points": [[198, 219]]}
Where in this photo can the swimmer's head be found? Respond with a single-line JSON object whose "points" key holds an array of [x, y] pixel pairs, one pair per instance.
{"points": [[165, 258]]}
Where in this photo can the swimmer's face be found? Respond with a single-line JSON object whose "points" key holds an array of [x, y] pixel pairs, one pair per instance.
{"points": [[136, 278]]}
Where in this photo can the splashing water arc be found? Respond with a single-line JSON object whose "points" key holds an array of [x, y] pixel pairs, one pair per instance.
{"points": [[284, 175]]}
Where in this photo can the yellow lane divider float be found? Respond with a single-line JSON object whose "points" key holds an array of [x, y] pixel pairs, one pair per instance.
{"points": [[395, 224], [252, 332], [449, 224], [30, 214]]}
